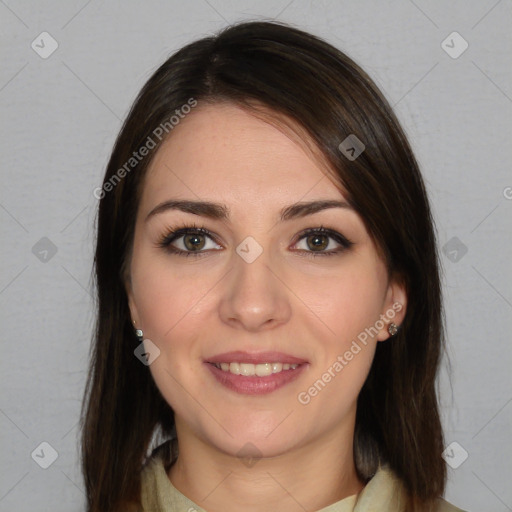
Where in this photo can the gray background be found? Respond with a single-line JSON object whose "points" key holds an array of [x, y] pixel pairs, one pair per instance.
{"points": [[60, 116]]}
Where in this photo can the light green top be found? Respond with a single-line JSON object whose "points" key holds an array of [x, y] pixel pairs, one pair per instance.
{"points": [[383, 493]]}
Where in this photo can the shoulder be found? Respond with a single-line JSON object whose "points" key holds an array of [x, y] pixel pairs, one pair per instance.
{"points": [[154, 482], [157, 492], [388, 491], [444, 506]]}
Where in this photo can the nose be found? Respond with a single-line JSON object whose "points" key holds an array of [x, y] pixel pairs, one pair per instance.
{"points": [[254, 297]]}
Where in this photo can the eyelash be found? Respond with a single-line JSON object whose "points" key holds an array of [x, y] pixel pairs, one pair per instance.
{"points": [[174, 233]]}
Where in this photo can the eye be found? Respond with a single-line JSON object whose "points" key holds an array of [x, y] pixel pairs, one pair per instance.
{"points": [[322, 242], [193, 240], [188, 241]]}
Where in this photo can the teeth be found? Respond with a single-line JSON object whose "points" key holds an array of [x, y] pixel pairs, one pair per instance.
{"points": [[262, 369], [250, 370]]}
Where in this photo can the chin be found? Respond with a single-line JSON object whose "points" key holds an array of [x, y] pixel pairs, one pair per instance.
{"points": [[255, 439]]}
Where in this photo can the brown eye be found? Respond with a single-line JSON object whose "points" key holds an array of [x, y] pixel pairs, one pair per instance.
{"points": [[194, 242], [322, 242], [189, 241], [317, 242]]}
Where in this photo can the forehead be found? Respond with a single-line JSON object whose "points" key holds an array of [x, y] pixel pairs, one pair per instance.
{"points": [[224, 153]]}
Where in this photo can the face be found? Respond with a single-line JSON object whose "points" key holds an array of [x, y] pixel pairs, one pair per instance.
{"points": [[266, 316]]}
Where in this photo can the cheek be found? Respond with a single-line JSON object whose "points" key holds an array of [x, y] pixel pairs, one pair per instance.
{"points": [[167, 299], [344, 360], [171, 308], [346, 302]]}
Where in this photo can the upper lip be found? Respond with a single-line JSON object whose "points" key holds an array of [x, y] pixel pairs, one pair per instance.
{"points": [[255, 358]]}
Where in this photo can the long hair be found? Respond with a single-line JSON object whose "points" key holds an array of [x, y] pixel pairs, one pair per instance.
{"points": [[302, 78]]}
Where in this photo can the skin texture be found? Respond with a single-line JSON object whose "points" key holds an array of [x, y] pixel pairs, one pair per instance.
{"points": [[313, 308]]}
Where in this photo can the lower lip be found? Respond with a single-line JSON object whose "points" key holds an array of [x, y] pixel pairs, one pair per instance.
{"points": [[255, 385]]}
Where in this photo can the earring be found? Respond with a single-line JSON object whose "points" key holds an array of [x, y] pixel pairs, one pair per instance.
{"points": [[392, 329], [138, 333]]}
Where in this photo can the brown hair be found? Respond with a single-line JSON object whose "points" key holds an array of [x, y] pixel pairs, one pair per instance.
{"points": [[297, 75]]}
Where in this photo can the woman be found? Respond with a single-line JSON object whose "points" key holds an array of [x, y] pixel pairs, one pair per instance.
{"points": [[269, 302]]}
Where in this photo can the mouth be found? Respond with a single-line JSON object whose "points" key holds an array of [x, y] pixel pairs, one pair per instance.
{"points": [[250, 370], [255, 374]]}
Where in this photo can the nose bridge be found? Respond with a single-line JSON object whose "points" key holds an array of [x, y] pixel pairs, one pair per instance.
{"points": [[253, 298]]}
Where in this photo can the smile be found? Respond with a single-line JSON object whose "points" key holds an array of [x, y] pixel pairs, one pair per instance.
{"points": [[255, 373], [250, 370]]}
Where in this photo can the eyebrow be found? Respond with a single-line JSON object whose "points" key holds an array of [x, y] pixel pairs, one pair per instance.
{"points": [[219, 211]]}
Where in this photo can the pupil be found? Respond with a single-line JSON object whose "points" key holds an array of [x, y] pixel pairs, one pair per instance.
{"points": [[193, 242]]}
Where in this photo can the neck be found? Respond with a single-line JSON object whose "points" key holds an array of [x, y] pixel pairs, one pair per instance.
{"points": [[310, 477]]}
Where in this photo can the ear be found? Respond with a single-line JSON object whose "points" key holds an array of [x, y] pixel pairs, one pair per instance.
{"points": [[131, 301], [395, 306]]}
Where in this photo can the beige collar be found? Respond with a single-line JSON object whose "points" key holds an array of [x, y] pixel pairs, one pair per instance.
{"points": [[383, 493]]}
